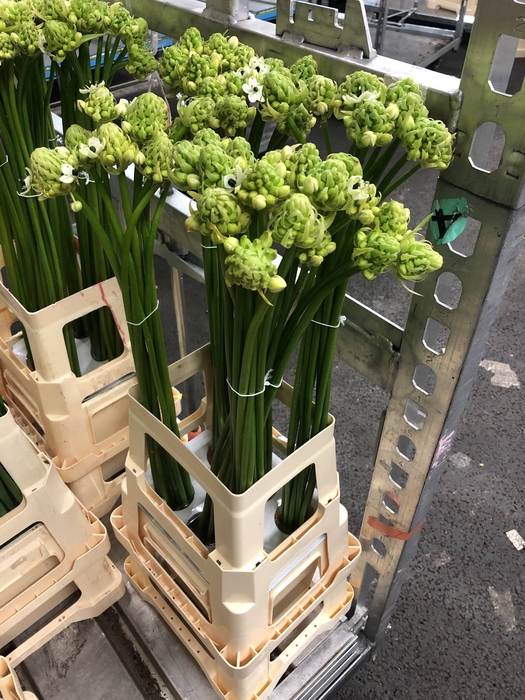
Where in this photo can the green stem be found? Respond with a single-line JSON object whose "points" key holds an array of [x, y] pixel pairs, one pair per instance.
{"points": [[327, 139]]}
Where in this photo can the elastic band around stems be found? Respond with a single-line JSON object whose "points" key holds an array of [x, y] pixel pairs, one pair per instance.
{"points": [[209, 247], [130, 323], [342, 321], [5, 161], [257, 393]]}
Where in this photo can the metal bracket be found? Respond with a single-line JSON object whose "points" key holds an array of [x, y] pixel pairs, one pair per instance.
{"points": [[324, 26], [488, 107]]}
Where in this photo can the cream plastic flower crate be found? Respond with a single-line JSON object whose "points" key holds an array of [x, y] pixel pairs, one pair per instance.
{"points": [[248, 608], [50, 548], [83, 420], [10, 688]]}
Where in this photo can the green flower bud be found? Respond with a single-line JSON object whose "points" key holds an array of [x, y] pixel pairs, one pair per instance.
{"points": [[232, 84], [430, 143], [406, 94], [191, 40], [212, 87], [251, 266], [327, 185], [89, 16], [119, 18], [233, 114], [147, 116], [393, 218], [141, 63], [322, 95], [25, 38], [276, 64], [13, 14], [185, 166], [374, 251], [136, 29], [217, 43], [280, 94], [217, 211], [76, 137], [353, 164], [240, 150], [54, 9], [417, 258], [304, 68], [359, 87], [206, 136], [172, 64], [303, 119], [300, 161], [198, 113], [297, 222], [264, 184], [157, 162], [100, 103], [214, 165], [119, 151], [8, 47], [241, 56], [199, 66], [58, 38], [53, 172], [369, 124], [313, 257], [362, 200]]}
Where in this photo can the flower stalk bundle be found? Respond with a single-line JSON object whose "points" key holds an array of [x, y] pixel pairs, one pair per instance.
{"points": [[36, 234]]}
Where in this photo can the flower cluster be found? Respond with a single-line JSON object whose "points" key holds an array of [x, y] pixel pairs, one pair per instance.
{"points": [[388, 244], [58, 27], [298, 195], [374, 113]]}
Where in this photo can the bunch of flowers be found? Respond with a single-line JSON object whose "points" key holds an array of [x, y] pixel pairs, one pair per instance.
{"points": [[106, 152], [328, 217], [36, 234]]}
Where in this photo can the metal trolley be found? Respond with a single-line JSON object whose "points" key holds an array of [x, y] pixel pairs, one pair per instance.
{"points": [[428, 369]]}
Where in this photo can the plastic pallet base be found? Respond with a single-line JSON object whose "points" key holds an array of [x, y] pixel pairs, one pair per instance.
{"points": [[258, 678], [243, 599], [82, 420], [50, 547], [10, 688]]}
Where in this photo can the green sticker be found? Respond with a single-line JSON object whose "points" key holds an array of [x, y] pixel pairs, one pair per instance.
{"points": [[449, 219]]}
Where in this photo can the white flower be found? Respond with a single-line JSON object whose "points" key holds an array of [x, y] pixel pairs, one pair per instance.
{"points": [[92, 148], [69, 174], [122, 107], [42, 44], [259, 65], [91, 88], [28, 182], [233, 181], [242, 72], [351, 100], [253, 90], [357, 189]]}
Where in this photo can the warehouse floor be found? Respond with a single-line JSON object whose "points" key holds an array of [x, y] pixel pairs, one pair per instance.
{"points": [[459, 627]]}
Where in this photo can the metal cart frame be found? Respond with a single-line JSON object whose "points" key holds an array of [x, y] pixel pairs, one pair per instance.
{"points": [[428, 368]]}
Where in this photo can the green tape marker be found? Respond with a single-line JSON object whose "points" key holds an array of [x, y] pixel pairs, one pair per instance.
{"points": [[449, 220]]}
